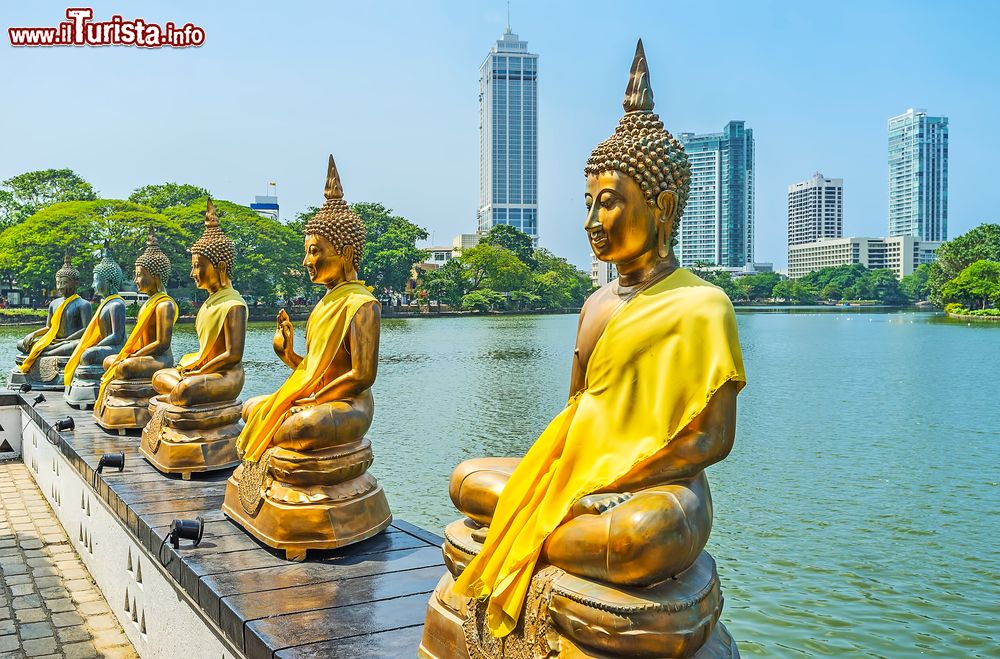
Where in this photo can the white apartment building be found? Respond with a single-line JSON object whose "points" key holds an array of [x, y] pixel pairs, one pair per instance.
{"points": [[901, 254], [815, 209], [601, 272]]}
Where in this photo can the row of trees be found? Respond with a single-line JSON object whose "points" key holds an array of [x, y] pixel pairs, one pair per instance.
{"points": [[504, 271], [835, 284], [46, 212]]}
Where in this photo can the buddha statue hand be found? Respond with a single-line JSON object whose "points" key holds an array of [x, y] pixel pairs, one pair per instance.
{"points": [[284, 336], [595, 504]]}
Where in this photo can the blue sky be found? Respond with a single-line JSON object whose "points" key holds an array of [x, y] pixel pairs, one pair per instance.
{"points": [[390, 88]]}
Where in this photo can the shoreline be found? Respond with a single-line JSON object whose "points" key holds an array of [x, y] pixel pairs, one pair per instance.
{"points": [[958, 316]]}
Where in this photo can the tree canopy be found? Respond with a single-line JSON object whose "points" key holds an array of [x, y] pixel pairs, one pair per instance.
{"points": [[981, 243], [165, 195], [23, 195], [977, 286]]}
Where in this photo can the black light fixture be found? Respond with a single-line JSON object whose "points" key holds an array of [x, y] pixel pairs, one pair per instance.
{"points": [[25, 387], [111, 460], [40, 398], [65, 423], [186, 529]]}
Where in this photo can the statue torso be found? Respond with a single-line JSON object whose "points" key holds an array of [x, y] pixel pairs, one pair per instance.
{"points": [[113, 309], [150, 331], [75, 316]]}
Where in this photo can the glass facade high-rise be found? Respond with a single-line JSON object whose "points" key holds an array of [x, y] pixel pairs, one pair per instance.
{"points": [[717, 225], [918, 176], [508, 137]]}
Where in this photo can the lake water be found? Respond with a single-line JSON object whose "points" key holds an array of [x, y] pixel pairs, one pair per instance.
{"points": [[858, 514]]}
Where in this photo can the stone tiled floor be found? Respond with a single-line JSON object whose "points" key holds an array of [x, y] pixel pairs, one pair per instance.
{"points": [[49, 606]]}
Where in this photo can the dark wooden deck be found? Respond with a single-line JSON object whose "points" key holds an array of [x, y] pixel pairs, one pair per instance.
{"points": [[366, 600]]}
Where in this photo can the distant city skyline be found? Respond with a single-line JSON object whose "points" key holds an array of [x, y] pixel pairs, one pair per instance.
{"points": [[395, 98], [918, 175]]}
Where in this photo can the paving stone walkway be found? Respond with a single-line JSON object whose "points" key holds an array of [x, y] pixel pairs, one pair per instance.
{"points": [[49, 606]]}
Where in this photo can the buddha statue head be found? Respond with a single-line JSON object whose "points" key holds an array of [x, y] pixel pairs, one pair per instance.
{"points": [[67, 277], [335, 237], [637, 181], [213, 256], [152, 268], [108, 275]]}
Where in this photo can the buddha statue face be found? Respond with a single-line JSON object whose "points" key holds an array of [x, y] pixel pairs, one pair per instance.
{"points": [[206, 275], [326, 264], [146, 281], [66, 285], [100, 283], [621, 224]]}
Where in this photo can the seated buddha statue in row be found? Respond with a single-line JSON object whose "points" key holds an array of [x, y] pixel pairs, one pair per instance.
{"points": [[43, 354], [104, 335], [126, 386], [592, 544], [195, 416], [304, 482]]}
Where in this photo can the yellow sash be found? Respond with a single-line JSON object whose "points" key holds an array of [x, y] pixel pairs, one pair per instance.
{"points": [[46, 339], [661, 358], [209, 324], [327, 325], [132, 343], [90, 336]]}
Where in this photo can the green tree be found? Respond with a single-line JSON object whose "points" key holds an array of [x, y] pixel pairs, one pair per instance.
{"points": [[32, 251], [831, 293], [23, 195], [446, 285], [978, 285], [504, 235], [556, 283], [496, 268], [484, 299], [757, 287], [796, 291], [165, 195], [390, 248], [914, 285], [980, 243]]}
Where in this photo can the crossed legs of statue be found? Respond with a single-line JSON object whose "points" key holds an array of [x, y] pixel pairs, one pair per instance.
{"points": [[198, 389], [139, 368], [631, 539]]}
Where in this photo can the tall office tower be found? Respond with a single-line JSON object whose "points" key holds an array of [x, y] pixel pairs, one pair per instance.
{"points": [[815, 209], [508, 137], [918, 176], [717, 225]]}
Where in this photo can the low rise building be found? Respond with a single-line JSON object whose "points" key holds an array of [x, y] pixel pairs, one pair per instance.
{"points": [[901, 254]]}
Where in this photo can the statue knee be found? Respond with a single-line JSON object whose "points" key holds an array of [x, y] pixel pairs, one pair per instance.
{"points": [[164, 380], [654, 536], [250, 405], [109, 361], [475, 487]]}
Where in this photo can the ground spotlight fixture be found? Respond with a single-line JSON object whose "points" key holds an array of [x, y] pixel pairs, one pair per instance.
{"points": [[111, 460], [25, 387], [186, 529], [40, 398], [65, 423]]}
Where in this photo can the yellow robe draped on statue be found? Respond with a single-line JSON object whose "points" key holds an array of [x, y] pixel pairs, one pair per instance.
{"points": [[662, 356], [47, 338], [90, 337], [133, 343], [209, 325], [325, 332]]}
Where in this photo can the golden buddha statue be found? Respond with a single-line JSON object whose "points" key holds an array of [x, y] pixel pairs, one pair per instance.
{"points": [[104, 336], [44, 353], [195, 418], [592, 544], [126, 386], [304, 482]]}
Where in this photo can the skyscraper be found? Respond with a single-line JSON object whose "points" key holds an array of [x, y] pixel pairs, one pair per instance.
{"points": [[508, 137], [918, 176], [717, 225], [815, 209]]}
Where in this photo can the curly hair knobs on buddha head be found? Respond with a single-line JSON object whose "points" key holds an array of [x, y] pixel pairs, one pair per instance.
{"points": [[335, 221], [154, 259], [68, 271], [109, 270], [642, 148], [213, 244]]}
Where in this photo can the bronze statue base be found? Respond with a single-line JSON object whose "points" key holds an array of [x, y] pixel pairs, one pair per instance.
{"points": [[46, 374], [360, 513], [82, 391], [186, 440], [126, 405], [569, 616]]}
